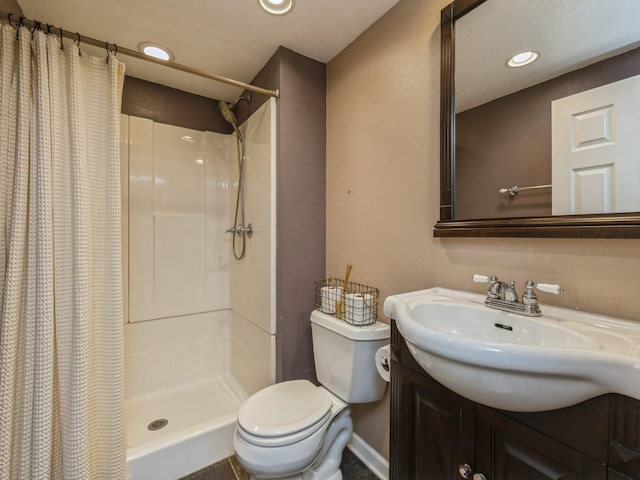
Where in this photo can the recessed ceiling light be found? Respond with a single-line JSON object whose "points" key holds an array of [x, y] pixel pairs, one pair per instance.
{"points": [[522, 59], [156, 50], [276, 7]]}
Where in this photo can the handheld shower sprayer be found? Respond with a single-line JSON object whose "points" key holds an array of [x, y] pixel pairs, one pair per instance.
{"points": [[225, 110]]}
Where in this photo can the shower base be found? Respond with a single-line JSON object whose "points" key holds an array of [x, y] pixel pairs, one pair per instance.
{"points": [[199, 430]]}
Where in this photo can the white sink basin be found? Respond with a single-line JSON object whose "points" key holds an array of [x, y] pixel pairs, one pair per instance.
{"points": [[513, 362]]}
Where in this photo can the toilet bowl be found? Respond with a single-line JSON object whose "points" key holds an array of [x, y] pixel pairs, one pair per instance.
{"points": [[297, 430], [281, 432]]}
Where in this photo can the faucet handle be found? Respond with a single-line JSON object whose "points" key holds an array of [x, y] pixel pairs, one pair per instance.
{"points": [[481, 278], [529, 297], [549, 288], [495, 288]]}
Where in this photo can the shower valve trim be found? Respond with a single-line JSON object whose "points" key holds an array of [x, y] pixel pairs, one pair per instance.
{"points": [[240, 230]]}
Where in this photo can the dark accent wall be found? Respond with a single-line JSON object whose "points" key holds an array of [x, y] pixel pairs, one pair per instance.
{"points": [[507, 142], [11, 6], [161, 104], [301, 216]]}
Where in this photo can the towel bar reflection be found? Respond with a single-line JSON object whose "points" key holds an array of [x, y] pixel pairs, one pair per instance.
{"points": [[513, 191]]}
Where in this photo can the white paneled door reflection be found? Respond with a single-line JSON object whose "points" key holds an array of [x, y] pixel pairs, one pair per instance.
{"points": [[595, 145]]}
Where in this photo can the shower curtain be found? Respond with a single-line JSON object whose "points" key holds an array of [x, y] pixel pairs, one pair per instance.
{"points": [[61, 342]]}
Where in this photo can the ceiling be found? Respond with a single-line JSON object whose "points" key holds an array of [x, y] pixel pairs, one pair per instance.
{"points": [[232, 38], [568, 34]]}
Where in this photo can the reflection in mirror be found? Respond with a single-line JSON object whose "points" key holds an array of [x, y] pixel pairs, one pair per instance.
{"points": [[532, 126]]}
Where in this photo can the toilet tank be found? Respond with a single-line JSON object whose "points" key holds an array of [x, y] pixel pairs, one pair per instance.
{"points": [[344, 357]]}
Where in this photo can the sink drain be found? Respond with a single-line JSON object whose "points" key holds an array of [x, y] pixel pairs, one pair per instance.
{"points": [[158, 424]]}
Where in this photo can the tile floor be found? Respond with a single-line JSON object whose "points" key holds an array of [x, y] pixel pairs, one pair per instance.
{"points": [[228, 469]]}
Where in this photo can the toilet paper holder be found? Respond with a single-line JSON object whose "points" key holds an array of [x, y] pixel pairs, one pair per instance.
{"points": [[383, 363]]}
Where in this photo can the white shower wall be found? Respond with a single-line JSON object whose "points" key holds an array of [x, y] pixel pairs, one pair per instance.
{"points": [[253, 279], [194, 312], [178, 198]]}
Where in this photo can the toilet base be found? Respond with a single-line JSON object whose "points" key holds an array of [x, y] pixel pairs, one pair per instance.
{"points": [[327, 463], [308, 475]]}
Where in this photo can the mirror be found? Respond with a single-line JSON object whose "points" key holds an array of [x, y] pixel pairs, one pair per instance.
{"points": [[501, 127]]}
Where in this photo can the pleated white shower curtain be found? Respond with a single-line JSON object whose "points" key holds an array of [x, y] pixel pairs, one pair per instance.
{"points": [[61, 331]]}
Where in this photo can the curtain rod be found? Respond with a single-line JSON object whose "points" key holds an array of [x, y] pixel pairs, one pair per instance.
{"points": [[76, 37]]}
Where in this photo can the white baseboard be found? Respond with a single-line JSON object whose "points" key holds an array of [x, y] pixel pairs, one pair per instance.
{"points": [[367, 455]]}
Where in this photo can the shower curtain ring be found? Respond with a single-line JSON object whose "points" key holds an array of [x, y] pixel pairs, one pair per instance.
{"points": [[61, 42], [36, 26], [78, 42], [9, 18], [20, 24], [115, 50]]}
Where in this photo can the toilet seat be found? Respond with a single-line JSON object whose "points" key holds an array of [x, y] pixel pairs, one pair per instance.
{"points": [[284, 413]]}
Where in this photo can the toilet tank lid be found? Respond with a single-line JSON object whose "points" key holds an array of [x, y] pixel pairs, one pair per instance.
{"points": [[283, 409], [375, 331]]}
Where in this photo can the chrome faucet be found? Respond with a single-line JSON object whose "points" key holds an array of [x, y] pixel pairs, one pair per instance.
{"points": [[510, 294], [495, 290], [498, 290], [503, 295]]}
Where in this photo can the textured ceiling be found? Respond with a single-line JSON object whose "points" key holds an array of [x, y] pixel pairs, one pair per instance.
{"points": [[568, 34], [232, 38]]}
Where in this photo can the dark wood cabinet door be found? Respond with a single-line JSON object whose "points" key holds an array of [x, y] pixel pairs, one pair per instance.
{"points": [[613, 475], [624, 444], [432, 429], [507, 450]]}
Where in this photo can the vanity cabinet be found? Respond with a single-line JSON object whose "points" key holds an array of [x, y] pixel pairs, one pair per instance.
{"points": [[435, 433]]}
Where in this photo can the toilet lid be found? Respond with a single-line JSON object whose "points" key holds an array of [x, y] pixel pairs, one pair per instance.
{"points": [[283, 409]]}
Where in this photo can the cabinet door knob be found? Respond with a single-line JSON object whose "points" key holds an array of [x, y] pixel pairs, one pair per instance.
{"points": [[479, 476], [465, 471]]}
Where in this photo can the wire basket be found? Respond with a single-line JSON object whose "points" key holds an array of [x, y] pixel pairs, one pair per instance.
{"points": [[356, 304]]}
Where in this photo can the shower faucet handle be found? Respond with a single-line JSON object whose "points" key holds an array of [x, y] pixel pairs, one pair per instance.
{"points": [[240, 230]]}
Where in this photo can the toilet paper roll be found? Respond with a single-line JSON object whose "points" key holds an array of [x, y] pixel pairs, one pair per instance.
{"points": [[359, 308], [383, 362], [329, 297]]}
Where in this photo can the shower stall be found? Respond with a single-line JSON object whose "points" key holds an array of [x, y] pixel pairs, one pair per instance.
{"points": [[200, 324]]}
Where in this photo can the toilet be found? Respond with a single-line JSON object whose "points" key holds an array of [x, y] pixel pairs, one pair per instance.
{"points": [[297, 430]]}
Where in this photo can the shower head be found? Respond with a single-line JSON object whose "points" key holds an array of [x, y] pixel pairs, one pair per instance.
{"points": [[225, 110]]}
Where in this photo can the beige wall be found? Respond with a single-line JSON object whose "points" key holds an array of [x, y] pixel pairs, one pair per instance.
{"points": [[383, 192]]}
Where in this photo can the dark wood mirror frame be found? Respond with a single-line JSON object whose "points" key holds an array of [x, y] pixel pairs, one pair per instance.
{"points": [[619, 225]]}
